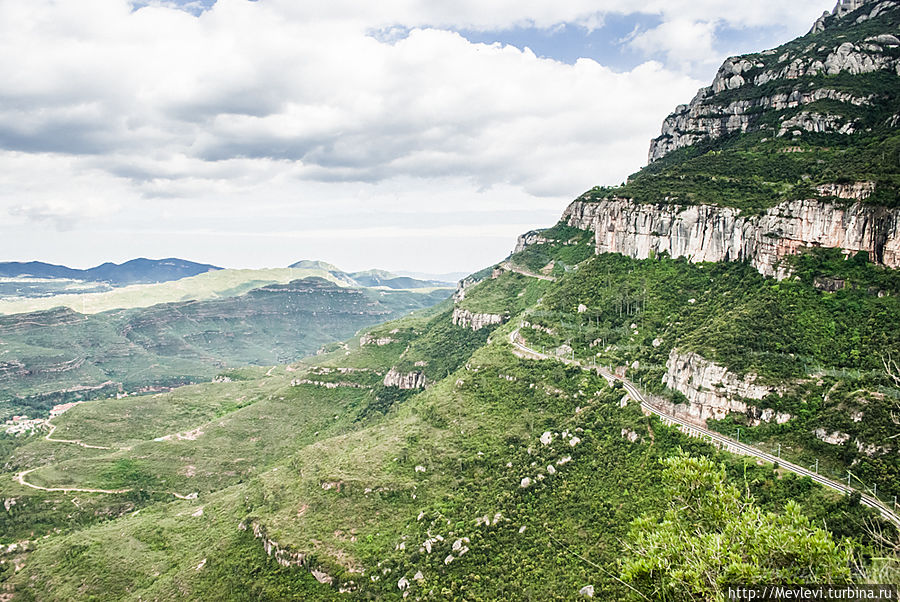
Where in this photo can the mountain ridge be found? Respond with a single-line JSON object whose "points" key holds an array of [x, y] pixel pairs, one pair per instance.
{"points": [[787, 150], [135, 271]]}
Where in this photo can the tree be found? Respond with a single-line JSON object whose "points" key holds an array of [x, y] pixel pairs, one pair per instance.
{"points": [[711, 537]]}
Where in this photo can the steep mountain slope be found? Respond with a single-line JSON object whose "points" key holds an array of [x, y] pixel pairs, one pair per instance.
{"points": [[136, 271], [788, 148], [435, 457], [427, 459], [806, 364], [60, 355]]}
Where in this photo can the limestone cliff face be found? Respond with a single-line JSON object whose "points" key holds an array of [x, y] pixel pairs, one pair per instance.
{"points": [[467, 319], [713, 391], [408, 380], [737, 102], [528, 239], [711, 233]]}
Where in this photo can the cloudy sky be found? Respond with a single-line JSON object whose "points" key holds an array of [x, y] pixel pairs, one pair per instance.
{"points": [[402, 134]]}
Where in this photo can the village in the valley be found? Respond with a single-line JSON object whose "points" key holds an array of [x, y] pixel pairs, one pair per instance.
{"points": [[23, 425]]}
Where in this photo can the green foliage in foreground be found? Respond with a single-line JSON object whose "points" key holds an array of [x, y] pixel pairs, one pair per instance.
{"points": [[712, 537]]}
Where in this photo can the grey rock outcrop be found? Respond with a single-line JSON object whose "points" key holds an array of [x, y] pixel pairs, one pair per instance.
{"points": [[713, 391], [834, 438], [368, 339], [712, 233], [712, 114], [700, 120], [858, 191], [467, 319], [463, 285], [818, 123], [535, 237], [407, 380]]}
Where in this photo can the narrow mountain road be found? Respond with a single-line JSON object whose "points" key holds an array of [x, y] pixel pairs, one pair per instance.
{"points": [[72, 441], [725, 442], [20, 478], [511, 268]]}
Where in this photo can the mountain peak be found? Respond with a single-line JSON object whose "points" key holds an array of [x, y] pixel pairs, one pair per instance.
{"points": [[841, 10], [782, 89], [315, 264]]}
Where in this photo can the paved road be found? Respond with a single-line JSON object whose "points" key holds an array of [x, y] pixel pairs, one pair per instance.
{"points": [[726, 442]]}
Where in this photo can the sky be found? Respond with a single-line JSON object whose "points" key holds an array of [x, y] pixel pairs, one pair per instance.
{"points": [[399, 134]]}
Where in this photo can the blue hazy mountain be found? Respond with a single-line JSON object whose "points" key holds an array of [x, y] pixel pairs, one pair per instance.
{"points": [[136, 271]]}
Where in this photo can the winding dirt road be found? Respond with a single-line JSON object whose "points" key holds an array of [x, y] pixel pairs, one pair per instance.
{"points": [[72, 441], [20, 478]]}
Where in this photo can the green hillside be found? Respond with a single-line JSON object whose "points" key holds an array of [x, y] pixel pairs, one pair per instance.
{"points": [[480, 448], [368, 486], [60, 355]]}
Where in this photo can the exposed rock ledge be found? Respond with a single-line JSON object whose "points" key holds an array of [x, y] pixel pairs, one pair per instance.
{"points": [[712, 233], [535, 237], [713, 391], [368, 339], [409, 380], [466, 319], [287, 558]]}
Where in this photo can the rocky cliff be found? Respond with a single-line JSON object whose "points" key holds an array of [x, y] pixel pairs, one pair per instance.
{"points": [[711, 233], [713, 392], [401, 380], [798, 152], [746, 89], [467, 319]]}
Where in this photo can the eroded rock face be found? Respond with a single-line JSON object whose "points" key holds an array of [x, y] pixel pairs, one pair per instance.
{"points": [[834, 438], [712, 115], [408, 380], [467, 319], [535, 237], [711, 233], [858, 191], [713, 391]]}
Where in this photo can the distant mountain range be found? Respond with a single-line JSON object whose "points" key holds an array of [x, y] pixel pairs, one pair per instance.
{"points": [[147, 271], [136, 271], [370, 278]]}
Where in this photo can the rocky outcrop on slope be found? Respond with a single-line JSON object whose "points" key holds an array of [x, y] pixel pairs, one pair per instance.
{"points": [[407, 380], [844, 8], [858, 191], [711, 233], [714, 113], [535, 237], [467, 319], [368, 339], [286, 558], [463, 285], [713, 392]]}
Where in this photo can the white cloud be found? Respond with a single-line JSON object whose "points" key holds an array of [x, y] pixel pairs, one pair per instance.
{"points": [[257, 113], [684, 42]]}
